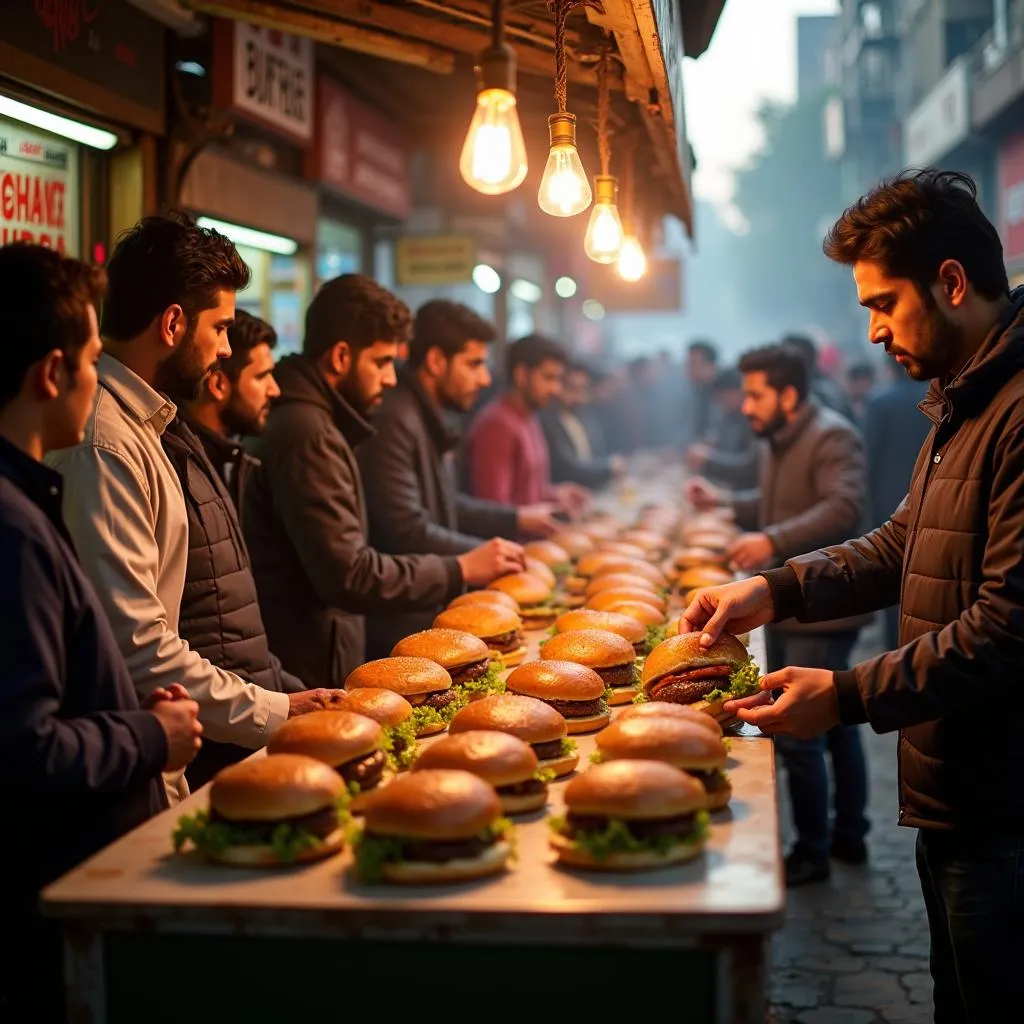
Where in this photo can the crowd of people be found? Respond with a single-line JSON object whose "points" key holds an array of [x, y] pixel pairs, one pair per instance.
{"points": [[198, 544]]}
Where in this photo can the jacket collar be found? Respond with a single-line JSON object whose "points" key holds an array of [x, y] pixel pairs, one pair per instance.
{"points": [[143, 402], [444, 439], [221, 449], [788, 435], [1000, 356], [300, 381], [43, 486]]}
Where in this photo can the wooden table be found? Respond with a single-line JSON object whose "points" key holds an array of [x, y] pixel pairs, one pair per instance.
{"points": [[152, 936]]}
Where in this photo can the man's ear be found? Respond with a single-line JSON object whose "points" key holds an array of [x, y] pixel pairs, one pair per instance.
{"points": [[50, 375], [218, 386], [521, 376], [953, 282], [436, 362], [789, 398], [339, 358], [173, 324]]}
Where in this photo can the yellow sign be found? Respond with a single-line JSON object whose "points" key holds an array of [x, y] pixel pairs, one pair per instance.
{"points": [[435, 259]]}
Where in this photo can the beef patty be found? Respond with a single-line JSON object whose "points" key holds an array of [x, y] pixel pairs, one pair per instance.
{"points": [[617, 675], [526, 788], [437, 700], [320, 823], [469, 672], [439, 851], [505, 643], [691, 686], [577, 708], [680, 826], [547, 751], [364, 771]]}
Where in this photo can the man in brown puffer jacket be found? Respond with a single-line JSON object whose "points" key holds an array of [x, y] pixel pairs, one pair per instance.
{"points": [[928, 266]]}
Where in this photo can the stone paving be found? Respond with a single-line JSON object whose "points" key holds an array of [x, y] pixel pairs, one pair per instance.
{"points": [[854, 950]]}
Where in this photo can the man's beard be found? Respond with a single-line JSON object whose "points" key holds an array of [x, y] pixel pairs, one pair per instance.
{"points": [[939, 345], [771, 428], [182, 375], [242, 424], [349, 389]]}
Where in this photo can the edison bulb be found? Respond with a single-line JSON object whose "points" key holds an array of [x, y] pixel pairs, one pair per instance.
{"points": [[493, 157], [564, 188], [632, 263], [604, 232]]}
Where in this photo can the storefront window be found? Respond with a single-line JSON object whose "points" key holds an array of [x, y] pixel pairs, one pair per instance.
{"points": [[277, 293], [339, 250]]}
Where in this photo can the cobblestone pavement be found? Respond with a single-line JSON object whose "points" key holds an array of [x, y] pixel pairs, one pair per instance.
{"points": [[854, 950]]}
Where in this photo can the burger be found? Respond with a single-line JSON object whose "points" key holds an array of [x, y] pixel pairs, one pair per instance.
{"points": [[529, 719], [651, 542], [433, 826], [500, 628], [534, 597], [535, 567], [600, 529], [663, 709], [466, 658], [619, 547], [422, 682], [601, 563], [629, 816], [608, 600], [505, 761], [575, 542], [698, 558], [694, 749], [692, 580], [351, 744], [265, 811], [394, 714], [652, 619], [485, 597], [611, 656], [617, 580], [576, 692], [681, 671], [635, 567], [553, 555], [716, 541], [586, 618]]}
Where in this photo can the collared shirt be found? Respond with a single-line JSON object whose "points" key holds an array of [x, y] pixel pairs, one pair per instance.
{"points": [[125, 509], [577, 433]]}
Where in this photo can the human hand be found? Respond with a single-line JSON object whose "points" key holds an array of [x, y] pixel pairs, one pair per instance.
{"points": [[498, 557], [572, 499], [320, 699], [173, 692], [702, 494], [736, 607], [179, 719], [807, 707], [697, 456], [751, 552], [537, 520]]}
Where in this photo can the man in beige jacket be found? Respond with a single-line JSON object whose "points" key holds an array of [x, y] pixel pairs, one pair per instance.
{"points": [[170, 301]]}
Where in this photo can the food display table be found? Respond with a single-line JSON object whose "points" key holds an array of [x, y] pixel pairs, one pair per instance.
{"points": [[152, 936]]}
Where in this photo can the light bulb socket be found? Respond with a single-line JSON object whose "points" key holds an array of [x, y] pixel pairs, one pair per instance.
{"points": [[496, 69], [562, 129], [605, 188]]}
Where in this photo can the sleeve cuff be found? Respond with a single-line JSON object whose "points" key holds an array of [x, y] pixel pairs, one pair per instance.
{"points": [[151, 738], [456, 584], [851, 706], [787, 596], [278, 707]]}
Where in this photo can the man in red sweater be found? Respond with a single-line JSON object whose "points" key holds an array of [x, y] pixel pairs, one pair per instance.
{"points": [[506, 451]]}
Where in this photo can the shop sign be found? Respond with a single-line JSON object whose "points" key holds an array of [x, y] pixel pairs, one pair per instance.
{"points": [[660, 290], [942, 120], [38, 189], [359, 153], [434, 260], [266, 76], [1011, 198]]}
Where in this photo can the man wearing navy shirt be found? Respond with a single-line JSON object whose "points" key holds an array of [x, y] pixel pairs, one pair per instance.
{"points": [[80, 761]]}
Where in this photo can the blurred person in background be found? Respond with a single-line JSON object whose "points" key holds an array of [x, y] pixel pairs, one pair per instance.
{"points": [[80, 760], [813, 484], [305, 516], [594, 415], [860, 382], [694, 406], [408, 467], [824, 389], [570, 446], [732, 453], [894, 432], [506, 453]]}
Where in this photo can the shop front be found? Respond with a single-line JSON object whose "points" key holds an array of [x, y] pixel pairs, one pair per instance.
{"points": [[1011, 206], [81, 108]]}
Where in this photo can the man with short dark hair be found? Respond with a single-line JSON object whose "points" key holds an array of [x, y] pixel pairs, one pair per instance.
{"points": [[80, 761], [812, 492], [506, 453], [170, 303], [928, 266], [305, 514], [408, 466]]}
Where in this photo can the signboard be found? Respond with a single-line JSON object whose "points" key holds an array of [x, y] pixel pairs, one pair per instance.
{"points": [[434, 260], [1011, 198], [942, 120], [38, 189], [359, 153], [266, 76], [660, 290]]}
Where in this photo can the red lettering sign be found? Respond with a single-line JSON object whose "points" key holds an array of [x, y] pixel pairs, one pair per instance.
{"points": [[66, 19]]}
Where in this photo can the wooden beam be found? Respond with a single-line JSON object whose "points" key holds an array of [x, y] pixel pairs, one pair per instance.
{"points": [[326, 30]]}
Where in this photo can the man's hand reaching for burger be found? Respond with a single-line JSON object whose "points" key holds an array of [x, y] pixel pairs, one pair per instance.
{"points": [[751, 551], [736, 608], [807, 706]]}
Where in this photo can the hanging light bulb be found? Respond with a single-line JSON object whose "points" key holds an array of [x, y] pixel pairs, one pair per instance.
{"points": [[632, 262], [564, 188], [493, 159], [604, 232]]}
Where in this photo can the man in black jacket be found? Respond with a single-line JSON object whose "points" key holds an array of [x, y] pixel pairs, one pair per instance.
{"points": [[79, 759], [407, 465], [928, 266], [304, 513]]}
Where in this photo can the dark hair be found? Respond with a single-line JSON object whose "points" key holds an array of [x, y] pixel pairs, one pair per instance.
{"points": [[245, 334], [705, 349], [45, 297], [533, 350], [806, 347], [355, 309], [911, 223], [861, 371], [729, 379], [783, 366], [579, 366], [447, 326], [165, 261]]}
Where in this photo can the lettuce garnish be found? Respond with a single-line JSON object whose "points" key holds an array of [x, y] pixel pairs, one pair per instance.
{"points": [[616, 837]]}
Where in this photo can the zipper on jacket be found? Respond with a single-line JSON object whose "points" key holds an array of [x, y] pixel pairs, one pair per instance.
{"points": [[933, 451]]}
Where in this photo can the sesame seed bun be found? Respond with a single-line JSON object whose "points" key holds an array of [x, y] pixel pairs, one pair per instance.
{"points": [[607, 600], [482, 620], [684, 651], [334, 737], [595, 648], [659, 738], [690, 580], [666, 709], [274, 788], [485, 597], [618, 580], [525, 587], [535, 567], [452, 649], [634, 790], [576, 542], [527, 718], [645, 613], [548, 552], [587, 618], [384, 706], [410, 677], [556, 680]]}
